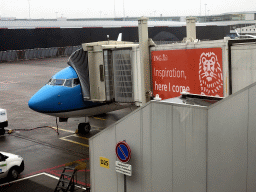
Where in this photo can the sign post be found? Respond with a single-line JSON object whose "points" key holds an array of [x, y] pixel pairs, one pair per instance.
{"points": [[123, 153]]}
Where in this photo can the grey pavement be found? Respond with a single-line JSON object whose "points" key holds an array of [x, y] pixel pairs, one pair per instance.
{"points": [[42, 148]]}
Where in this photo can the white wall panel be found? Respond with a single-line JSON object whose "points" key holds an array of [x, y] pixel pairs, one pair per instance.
{"points": [[189, 148], [196, 151], [227, 144], [129, 130], [251, 175], [182, 148], [181, 120], [161, 147], [103, 146], [147, 148]]}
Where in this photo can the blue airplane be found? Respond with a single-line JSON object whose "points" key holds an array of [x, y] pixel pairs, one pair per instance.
{"points": [[62, 97], [65, 97]]}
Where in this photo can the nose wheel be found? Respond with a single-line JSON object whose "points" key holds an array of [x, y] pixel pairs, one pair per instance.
{"points": [[84, 128]]}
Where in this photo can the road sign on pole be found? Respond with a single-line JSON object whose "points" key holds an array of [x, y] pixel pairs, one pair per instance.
{"points": [[123, 151]]}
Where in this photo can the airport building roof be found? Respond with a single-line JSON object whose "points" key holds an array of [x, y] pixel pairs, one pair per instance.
{"points": [[230, 19]]}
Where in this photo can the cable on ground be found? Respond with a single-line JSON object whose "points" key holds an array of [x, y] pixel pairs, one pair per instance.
{"points": [[13, 130]]}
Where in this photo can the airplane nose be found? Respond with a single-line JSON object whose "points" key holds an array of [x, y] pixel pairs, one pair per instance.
{"points": [[34, 103], [42, 100], [57, 99]]}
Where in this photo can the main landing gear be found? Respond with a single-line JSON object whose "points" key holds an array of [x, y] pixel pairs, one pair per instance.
{"points": [[84, 128]]}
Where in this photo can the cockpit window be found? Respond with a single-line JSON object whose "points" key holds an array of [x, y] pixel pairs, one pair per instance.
{"points": [[49, 82], [68, 83], [57, 82], [76, 82], [63, 82]]}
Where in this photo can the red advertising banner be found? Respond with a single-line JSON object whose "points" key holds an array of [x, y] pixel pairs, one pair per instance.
{"points": [[197, 71]]}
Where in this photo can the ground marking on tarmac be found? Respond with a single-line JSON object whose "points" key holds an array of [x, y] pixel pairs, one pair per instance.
{"points": [[22, 179], [80, 137], [64, 138], [59, 171], [47, 174], [75, 136], [99, 118], [63, 130]]}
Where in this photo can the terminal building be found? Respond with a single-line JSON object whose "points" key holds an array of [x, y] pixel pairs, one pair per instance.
{"points": [[246, 16], [22, 34]]}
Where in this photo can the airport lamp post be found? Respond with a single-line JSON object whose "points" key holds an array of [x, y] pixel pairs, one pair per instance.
{"points": [[123, 10], [205, 11]]}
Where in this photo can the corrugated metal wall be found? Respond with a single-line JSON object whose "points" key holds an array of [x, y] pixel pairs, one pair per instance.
{"points": [[168, 150], [182, 148], [232, 143], [227, 145]]}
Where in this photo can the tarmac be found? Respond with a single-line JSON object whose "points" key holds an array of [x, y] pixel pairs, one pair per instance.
{"points": [[34, 135]]}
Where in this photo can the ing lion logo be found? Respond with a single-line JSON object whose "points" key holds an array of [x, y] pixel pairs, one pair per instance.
{"points": [[210, 74]]}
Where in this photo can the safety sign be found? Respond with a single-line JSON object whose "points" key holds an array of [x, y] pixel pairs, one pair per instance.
{"points": [[123, 151], [123, 168]]}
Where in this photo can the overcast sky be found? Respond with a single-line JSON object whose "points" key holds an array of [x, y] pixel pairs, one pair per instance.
{"points": [[111, 8]]}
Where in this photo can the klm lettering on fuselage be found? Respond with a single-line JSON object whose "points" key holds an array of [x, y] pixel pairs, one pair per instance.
{"points": [[160, 57]]}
